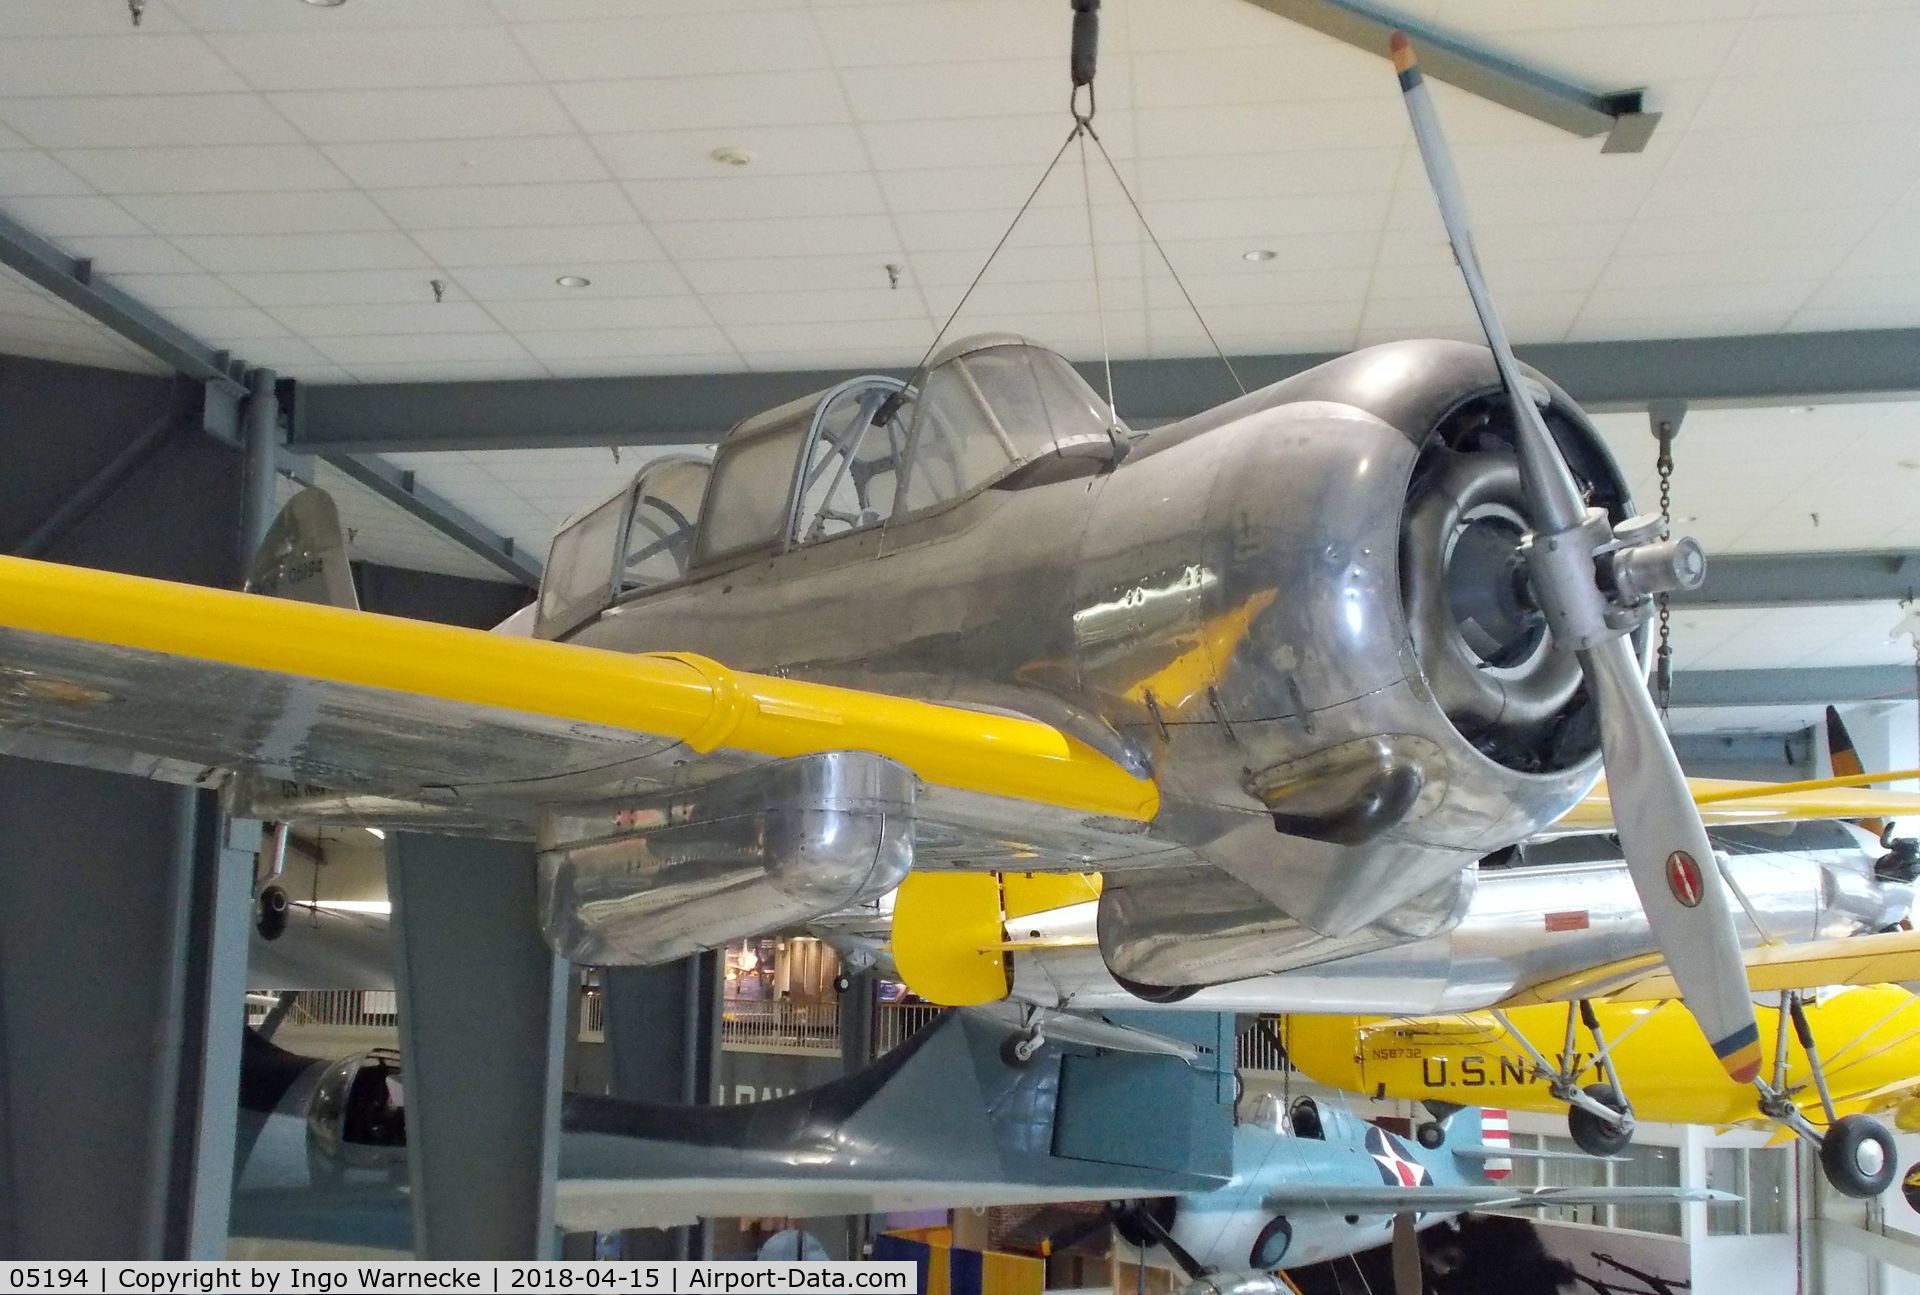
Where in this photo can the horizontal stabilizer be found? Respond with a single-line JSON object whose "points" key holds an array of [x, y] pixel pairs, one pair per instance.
{"points": [[1453, 1200], [1481, 1151]]}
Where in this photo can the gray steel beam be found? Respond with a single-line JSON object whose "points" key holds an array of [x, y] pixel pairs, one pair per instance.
{"points": [[1818, 685], [72, 280], [1799, 579], [681, 409], [399, 487], [1620, 116], [483, 1085], [262, 461]]}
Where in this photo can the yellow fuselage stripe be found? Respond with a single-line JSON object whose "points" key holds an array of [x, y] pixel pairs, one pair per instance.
{"points": [[686, 698]]}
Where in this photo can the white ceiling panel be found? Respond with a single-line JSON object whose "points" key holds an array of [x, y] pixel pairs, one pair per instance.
{"points": [[471, 53], [584, 246], [128, 62], [323, 212], [212, 168], [147, 121], [779, 97], [478, 206], [275, 167], [547, 159], [557, 315], [612, 280], [693, 44]]}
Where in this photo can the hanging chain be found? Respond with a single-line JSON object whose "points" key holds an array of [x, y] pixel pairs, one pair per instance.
{"points": [[1663, 655]]}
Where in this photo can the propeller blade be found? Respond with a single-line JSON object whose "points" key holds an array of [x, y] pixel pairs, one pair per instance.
{"points": [[1408, 1275], [1671, 860], [1666, 847]]}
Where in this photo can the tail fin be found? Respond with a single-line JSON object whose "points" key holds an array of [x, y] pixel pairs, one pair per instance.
{"points": [[304, 557], [1846, 762], [1493, 1133]]}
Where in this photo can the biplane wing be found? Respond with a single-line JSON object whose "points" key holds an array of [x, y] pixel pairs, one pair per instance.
{"points": [[1725, 802], [395, 721], [1857, 960]]}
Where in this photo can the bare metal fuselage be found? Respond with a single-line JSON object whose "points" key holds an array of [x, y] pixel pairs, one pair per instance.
{"points": [[1227, 608]]}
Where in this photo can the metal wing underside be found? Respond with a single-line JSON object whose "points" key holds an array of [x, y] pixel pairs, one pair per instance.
{"points": [[326, 752]]}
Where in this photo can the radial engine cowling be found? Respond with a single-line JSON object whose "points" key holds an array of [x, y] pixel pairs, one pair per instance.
{"points": [[1383, 692], [651, 879]]}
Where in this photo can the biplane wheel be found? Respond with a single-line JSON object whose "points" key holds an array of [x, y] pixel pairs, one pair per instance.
{"points": [[1019, 1050], [1857, 1155], [842, 983], [1431, 1134], [270, 913], [1593, 1135]]}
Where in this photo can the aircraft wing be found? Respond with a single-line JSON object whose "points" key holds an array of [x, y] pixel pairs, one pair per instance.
{"points": [[1857, 960], [1724, 802], [1460, 1199], [367, 718]]}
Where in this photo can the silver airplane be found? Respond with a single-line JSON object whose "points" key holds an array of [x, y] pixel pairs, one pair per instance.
{"points": [[1284, 672]]}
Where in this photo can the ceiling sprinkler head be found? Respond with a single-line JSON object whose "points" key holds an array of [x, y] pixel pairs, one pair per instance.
{"points": [[731, 156]]}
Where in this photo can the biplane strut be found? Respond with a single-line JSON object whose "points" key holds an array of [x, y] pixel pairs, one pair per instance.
{"points": [[1856, 1151]]}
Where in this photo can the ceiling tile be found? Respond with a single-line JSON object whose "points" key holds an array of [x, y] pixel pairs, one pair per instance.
{"points": [[438, 112], [756, 197], [28, 174], [846, 335], [1269, 128], [678, 45], [789, 273], [962, 31], [58, 217], [802, 307], [405, 348], [325, 211], [775, 150], [981, 141], [248, 15], [128, 63], [478, 206], [163, 290], [581, 245], [450, 371], [224, 253], [773, 98], [584, 311], [38, 18], [541, 281], [357, 60], [892, 91], [808, 236], [336, 287], [416, 163], [221, 168], [1303, 172], [222, 324], [616, 342], [386, 318], [146, 121]]}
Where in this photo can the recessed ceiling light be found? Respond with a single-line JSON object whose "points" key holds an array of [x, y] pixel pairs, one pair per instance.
{"points": [[730, 156], [326, 4], [1259, 254], [574, 281]]}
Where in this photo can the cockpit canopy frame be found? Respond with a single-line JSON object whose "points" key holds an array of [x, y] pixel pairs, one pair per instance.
{"points": [[867, 453]]}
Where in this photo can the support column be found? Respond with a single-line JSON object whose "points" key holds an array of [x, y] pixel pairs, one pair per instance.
{"points": [[119, 1065], [260, 429], [663, 1040], [482, 1013]]}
